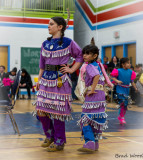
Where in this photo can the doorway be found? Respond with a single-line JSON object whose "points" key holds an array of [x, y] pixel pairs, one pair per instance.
{"points": [[4, 57]]}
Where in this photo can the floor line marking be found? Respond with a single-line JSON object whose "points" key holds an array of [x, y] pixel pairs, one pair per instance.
{"points": [[125, 139]]}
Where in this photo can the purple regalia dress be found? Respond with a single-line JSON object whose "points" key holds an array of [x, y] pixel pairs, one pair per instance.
{"points": [[93, 109], [55, 101]]}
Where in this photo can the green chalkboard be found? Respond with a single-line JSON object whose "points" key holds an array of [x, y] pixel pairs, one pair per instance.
{"points": [[30, 59]]}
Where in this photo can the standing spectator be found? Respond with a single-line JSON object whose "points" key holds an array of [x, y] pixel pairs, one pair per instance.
{"points": [[74, 79], [139, 71], [99, 59], [139, 96], [132, 68], [114, 63], [26, 82], [106, 63]]}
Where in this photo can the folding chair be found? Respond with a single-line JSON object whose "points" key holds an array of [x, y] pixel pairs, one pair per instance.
{"points": [[7, 103]]}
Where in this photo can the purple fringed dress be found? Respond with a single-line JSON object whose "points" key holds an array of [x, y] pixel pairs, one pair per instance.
{"points": [[93, 109], [55, 101]]}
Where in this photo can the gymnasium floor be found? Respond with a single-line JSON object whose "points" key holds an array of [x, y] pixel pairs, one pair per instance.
{"points": [[119, 142]]}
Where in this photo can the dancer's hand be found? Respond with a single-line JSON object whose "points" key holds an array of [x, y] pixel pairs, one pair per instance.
{"points": [[66, 69], [90, 93], [37, 86], [119, 82]]}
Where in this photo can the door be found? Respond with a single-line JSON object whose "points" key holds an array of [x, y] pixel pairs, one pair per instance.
{"points": [[131, 52], [119, 51], [4, 57], [108, 53]]}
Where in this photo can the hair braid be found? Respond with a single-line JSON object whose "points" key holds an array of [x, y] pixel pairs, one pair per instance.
{"points": [[62, 35], [49, 38]]}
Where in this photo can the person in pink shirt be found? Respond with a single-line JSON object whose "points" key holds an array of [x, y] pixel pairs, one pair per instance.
{"points": [[7, 81]]}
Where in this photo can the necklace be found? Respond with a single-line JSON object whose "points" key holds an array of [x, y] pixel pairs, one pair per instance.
{"points": [[51, 45]]}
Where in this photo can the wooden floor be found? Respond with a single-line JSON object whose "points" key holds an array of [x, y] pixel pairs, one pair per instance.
{"points": [[119, 142]]}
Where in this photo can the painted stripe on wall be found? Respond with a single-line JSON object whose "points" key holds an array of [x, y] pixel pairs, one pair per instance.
{"points": [[27, 20], [5, 24], [115, 13], [109, 24], [108, 6]]}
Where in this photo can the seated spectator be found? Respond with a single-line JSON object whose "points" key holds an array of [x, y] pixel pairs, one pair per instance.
{"points": [[12, 73], [2, 72], [7, 81], [26, 82]]}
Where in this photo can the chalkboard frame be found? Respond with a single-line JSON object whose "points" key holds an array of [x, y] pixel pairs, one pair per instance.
{"points": [[30, 57]]}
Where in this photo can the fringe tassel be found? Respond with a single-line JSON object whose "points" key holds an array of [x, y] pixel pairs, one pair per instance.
{"points": [[98, 136], [34, 113], [51, 106], [34, 103], [58, 117], [102, 78], [91, 105], [53, 83], [95, 115], [55, 54], [96, 125], [50, 95]]}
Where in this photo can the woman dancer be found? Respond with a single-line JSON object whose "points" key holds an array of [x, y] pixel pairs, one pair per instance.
{"points": [[54, 95]]}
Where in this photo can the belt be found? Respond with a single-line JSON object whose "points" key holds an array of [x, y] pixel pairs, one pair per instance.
{"points": [[49, 67], [98, 87], [125, 86]]}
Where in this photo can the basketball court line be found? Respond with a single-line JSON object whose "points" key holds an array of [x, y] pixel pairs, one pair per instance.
{"points": [[108, 134]]}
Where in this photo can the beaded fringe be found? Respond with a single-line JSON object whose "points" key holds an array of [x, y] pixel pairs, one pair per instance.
{"points": [[53, 83], [98, 136], [55, 54], [95, 115], [50, 95], [91, 105], [55, 116], [55, 107], [96, 125]]}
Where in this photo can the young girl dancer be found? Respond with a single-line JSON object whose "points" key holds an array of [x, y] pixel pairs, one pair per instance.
{"points": [[54, 95], [123, 77], [93, 117]]}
